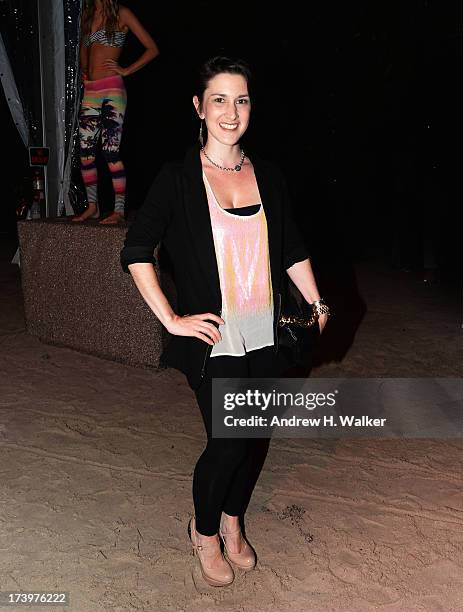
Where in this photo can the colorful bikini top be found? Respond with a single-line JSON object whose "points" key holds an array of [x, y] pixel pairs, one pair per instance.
{"points": [[100, 37]]}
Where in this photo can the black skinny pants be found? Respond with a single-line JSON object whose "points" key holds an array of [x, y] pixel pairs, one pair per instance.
{"points": [[228, 469]]}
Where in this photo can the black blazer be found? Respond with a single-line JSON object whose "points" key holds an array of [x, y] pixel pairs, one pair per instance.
{"points": [[176, 212]]}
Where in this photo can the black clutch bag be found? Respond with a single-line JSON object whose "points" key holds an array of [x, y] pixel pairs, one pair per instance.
{"points": [[298, 330]]}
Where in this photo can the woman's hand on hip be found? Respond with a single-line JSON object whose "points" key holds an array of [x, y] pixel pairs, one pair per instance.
{"points": [[196, 325], [111, 64]]}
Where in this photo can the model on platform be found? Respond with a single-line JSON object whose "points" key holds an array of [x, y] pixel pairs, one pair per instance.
{"points": [[105, 24]]}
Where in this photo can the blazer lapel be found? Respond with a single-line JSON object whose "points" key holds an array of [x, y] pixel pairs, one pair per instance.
{"points": [[199, 222], [273, 216]]}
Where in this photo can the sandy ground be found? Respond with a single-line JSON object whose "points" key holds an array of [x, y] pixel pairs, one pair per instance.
{"points": [[97, 461]]}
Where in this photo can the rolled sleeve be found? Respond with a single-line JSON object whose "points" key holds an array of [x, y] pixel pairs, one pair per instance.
{"points": [[135, 254], [151, 222]]}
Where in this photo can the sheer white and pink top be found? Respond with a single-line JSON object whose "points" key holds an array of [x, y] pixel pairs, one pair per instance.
{"points": [[241, 248]]}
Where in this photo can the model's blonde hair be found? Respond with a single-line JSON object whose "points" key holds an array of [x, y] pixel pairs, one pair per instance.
{"points": [[110, 15]]}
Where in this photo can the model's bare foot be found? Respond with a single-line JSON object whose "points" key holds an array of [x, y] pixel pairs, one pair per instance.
{"points": [[91, 212], [230, 527], [114, 217]]}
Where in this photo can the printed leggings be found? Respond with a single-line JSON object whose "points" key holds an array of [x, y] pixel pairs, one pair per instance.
{"points": [[228, 469], [102, 114]]}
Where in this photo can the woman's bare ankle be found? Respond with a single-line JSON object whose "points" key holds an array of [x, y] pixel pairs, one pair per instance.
{"points": [[207, 538], [229, 522]]}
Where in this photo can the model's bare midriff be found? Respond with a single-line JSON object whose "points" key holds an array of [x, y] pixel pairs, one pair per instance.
{"points": [[96, 56]]}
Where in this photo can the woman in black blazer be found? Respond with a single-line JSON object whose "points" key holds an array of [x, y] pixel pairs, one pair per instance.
{"points": [[224, 218]]}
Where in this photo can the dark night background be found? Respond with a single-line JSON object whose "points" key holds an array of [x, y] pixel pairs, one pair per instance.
{"points": [[359, 102]]}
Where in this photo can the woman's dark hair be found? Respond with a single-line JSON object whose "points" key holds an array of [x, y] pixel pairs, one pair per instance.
{"points": [[218, 65]]}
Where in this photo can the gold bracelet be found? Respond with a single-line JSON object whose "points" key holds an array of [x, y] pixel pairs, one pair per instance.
{"points": [[321, 308]]}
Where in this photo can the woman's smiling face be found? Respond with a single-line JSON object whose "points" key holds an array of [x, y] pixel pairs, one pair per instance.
{"points": [[225, 107]]}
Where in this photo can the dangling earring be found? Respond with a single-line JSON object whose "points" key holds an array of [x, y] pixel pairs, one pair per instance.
{"points": [[200, 137]]}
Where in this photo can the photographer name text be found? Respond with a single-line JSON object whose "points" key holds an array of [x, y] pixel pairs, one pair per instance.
{"points": [[326, 421]]}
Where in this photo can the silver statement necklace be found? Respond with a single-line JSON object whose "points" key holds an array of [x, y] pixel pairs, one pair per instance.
{"points": [[237, 168]]}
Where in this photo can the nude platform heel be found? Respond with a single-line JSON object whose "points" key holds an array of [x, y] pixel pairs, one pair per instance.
{"points": [[223, 574], [246, 558]]}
